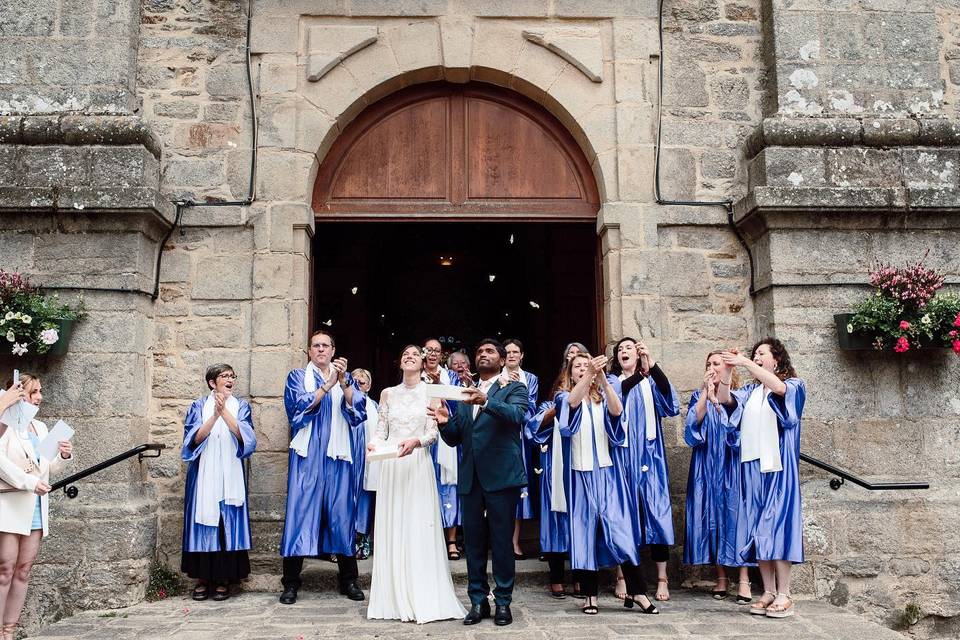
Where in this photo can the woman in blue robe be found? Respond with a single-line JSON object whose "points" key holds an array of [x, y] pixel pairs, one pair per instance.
{"points": [[542, 429], [765, 428], [364, 497], [217, 435], [713, 485], [320, 511], [602, 528], [648, 397], [526, 509]]}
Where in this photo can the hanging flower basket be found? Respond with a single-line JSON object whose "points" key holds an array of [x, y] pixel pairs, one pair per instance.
{"points": [[904, 313], [31, 322]]}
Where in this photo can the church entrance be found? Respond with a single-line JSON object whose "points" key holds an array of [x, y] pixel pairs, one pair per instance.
{"points": [[456, 212]]}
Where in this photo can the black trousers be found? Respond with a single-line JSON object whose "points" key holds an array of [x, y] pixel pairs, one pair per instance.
{"points": [[590, 580], [487, 518], [555, 562], [293, 567], [659, 552]]}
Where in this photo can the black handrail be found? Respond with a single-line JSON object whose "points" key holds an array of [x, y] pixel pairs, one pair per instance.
{"points": [[836, 483], [72, 491]]}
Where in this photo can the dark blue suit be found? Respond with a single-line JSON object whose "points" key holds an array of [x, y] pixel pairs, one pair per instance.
{"points": [[489, 480]]}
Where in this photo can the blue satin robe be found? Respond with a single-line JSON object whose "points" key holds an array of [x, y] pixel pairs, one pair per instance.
{"points": [[321, 511], [364, 498], [554, 525], [645, 463], [525, 506], [236, 520], [770, 518], [602, 529], [449, 499], [713, 489]]}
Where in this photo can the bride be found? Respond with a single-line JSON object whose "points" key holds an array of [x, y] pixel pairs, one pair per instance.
{"points": [[411, 578]]}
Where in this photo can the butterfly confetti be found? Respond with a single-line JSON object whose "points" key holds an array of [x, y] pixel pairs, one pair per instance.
{"points": [[534, 305], [492, 277], [511, 238], [329, 322], [354, 291]]}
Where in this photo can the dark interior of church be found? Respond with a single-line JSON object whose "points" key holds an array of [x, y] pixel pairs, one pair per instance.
{"points": [[379, 286]]}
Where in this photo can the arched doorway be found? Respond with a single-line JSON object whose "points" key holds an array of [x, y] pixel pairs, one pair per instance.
{"points": [[455, 211]]}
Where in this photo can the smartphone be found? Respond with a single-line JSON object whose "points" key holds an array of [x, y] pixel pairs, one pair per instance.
{"points": [[16, 377]]}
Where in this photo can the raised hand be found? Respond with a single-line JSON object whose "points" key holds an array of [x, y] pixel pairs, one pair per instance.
{"points": [[218, 402], [439, 413], [474, 396], [433, 377], [513, 376], [733, 359], [466, 378], [598, 364], [645, 357], [340, 366]]}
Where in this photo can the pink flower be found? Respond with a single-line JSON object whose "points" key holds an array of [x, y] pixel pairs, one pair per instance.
{"points": [[902, 345], [904, 325], [956, 346], [956, 321], [49, 336]]}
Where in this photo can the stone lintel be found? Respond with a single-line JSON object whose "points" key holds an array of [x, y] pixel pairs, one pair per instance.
{"points": [[580, 46], [329, 45], [76, 130]]}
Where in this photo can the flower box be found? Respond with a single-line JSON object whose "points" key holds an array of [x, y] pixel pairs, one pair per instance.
{"points": [[65, 329], [33, 323], [851, 341]]}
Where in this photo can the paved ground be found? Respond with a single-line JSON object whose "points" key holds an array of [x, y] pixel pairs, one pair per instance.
{"points": [[327, 615]]}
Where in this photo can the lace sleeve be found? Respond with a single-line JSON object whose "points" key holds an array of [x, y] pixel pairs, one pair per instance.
{"points": [[383, 424], [430, 432]]}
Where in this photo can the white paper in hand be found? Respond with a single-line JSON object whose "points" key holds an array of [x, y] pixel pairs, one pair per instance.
{"points": [[18, 416], [446, 392], [384, 451], [50, 447]]}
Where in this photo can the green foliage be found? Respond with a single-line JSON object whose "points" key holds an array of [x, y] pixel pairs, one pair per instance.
{"points": [[29, 319], [164, 582], [910, 616]]}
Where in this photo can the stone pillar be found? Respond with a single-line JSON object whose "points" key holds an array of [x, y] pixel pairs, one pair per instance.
{"points": [[81, 214]]}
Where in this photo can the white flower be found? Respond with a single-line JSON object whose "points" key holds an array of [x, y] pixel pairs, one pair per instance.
{"points": [[849, 328], [3, 321], [19, 349], [926, 319], [10, 336], [16, 316], [27, 319], [9, 316], [49, 336]]}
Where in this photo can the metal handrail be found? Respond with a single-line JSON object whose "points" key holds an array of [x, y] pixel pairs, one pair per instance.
{"points": [[67, 483], [836, 483]]}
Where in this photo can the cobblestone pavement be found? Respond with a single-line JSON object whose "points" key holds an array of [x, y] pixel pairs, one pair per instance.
{"points": [[327, 615]]}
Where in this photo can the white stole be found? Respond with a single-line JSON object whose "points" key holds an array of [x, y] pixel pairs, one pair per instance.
{"points": [[649, 412], [581, 443], [338, 447], [220, 475], [447, 458], [371, 470], [558, 495], [759, 436]]}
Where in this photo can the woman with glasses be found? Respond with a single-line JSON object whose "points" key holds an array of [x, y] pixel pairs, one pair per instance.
{"points": [[218, 436]]}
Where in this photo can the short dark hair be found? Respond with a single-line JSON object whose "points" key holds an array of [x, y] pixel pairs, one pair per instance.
{"points": [[322, 332], [496, 344], [216, 370], [615, 367], [428, 339], [516, 341]]}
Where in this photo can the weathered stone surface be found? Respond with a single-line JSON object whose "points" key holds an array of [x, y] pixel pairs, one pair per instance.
{"points": [[223, 278], [580, 47], [328, 46]]}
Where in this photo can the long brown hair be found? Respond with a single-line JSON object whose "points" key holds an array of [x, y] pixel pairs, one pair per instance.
{"points": [[734, 379], [784, 368], [566, 379]]}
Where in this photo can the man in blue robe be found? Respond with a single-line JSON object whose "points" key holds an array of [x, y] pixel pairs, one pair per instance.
{"points": [[322, 404]]}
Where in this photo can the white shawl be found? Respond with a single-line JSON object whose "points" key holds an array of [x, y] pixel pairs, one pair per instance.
{"points": [[558, 495], [447, 458], [338, 448], [759, 436], [581, 444], [220, 475], [371, 470], [649, 412]]}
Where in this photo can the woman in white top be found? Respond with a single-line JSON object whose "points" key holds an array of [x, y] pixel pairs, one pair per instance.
{"points": [[24, 504], [411, 578]]}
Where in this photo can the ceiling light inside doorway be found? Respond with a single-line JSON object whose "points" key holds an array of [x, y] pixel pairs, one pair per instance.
{"points": [[446, 261]]}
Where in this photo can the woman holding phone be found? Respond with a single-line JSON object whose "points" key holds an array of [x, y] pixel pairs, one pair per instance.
{"points": [[24, 503]]}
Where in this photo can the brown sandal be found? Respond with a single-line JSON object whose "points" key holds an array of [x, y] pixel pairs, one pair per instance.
{"points": [[658, 597], [759, 608]]}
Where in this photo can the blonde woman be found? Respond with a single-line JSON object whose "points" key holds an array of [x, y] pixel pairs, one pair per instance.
{"points": [[24, 503]]}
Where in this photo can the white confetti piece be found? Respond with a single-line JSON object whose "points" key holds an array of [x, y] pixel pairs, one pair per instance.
{"points": [[511, 238], [538, 471], [492, 277], [544, 448], [524, 495], [354, 290], [329, 322], [534, 305], [447, 505]]}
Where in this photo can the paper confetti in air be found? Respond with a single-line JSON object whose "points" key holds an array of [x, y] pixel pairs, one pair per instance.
{"points": [[544, 448], [354, 291], [524, 494], [492, 277], [511, 238], [447, 505], [538, 471], [534, 305], [329, 322]]}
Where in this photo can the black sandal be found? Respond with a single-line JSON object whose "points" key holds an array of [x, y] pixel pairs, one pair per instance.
{"points": [[201, 592], [628, 602], [558, 595], [453, 554], [221, 592], [590, 609], [720, 594]]}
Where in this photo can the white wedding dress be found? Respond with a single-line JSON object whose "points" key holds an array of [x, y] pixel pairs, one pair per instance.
{"points": [[411, 578]]}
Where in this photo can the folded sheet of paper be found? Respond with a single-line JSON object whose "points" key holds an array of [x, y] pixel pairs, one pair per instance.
{"points": [[18, 416], [445, 392], [50, 446], [384, 451]]}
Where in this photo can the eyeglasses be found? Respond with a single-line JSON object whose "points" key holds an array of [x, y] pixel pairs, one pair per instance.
{"points": [[432, 350], [227, 376]]}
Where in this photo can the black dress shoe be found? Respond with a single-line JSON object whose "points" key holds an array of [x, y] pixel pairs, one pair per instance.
{"points": [[352, 591], [477, 613], [289, 595], [502, 617]]}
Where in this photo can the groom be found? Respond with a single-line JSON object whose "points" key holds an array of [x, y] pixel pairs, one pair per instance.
{"points": [[487, 424]]}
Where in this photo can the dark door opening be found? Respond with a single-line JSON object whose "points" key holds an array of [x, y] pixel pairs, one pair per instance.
{"points": [[379, 286]]}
